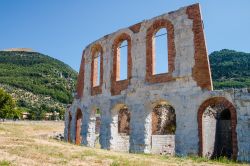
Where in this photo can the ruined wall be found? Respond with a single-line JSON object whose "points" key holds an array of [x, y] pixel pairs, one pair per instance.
{"points": [[185, 87], [163, 144], [242, 102]]}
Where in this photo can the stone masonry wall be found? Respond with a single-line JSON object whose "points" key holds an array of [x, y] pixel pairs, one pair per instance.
{"points": [[186, 87]]}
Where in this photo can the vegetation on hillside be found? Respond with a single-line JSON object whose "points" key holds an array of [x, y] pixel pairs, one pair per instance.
{"points": [[230, 69], [7, 106], [37, 82]]}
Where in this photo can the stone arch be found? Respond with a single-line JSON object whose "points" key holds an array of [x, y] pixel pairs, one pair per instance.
{"points": [[79, 118], [69, 125], [163, 126], [226, 105], [120, 128], [118, 86]]}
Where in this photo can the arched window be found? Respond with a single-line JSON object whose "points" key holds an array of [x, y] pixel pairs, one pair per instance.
{"points": [[122, 61], [122, 64], [160, 52], [96, 69]]}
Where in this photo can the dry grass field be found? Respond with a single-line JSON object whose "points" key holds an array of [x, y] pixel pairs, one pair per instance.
{"points": [[29, 143]]}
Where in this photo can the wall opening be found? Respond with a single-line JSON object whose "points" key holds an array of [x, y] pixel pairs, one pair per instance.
{"points": [[163, 129], [160, 52], [123, 121], [97, 124], [120, 128], [122, 64], [122, 61], [160, 44], [97, 69], [69, 126], [78, 126], [217, 132], [217, 129]]}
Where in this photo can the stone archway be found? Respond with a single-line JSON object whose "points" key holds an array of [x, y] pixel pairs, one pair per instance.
{"points": [[217, 121], [120, 128], [94, 127], [69, 126], [78, 126], [163, 129]]}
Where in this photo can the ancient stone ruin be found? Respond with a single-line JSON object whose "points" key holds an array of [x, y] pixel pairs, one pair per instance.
{"points": [[175, 112]]}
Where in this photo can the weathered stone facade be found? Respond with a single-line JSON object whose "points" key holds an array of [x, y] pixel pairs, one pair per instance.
{"points": [[187, 88]]}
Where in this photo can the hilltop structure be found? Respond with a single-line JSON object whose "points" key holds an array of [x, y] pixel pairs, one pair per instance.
{"points": [[19, 49], [176, 112]]}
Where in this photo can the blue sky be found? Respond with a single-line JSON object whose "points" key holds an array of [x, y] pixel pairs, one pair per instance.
{"points": [[62, 28]]}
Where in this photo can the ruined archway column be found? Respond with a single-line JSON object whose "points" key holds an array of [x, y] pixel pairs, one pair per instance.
{"points": [[90, 124], [186, 135], [105, 126], [140, 125]]}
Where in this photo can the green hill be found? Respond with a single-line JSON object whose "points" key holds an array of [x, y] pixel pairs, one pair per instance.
{"points": [[230, 69], [37, 81]]}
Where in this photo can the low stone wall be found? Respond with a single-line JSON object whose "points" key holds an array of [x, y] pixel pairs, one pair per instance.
{"points": [[122, 143], [163, 144]]}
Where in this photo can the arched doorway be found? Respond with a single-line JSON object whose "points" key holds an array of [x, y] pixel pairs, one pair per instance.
{"points": [[163, 129], [120, 128], [217, 121], [95, 123], [69, 126], [78, 126]]}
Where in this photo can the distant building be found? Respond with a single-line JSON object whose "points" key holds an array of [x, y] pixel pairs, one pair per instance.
{"points": [[19, 49]]}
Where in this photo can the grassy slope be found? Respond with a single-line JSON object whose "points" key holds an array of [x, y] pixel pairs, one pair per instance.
{"points": [[27, 143]]}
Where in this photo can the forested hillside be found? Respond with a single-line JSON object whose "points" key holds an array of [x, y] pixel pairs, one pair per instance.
{"points": [[230, 69], [37, 81]]}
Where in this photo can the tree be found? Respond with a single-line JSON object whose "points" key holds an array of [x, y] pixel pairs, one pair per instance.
{"points": [[7, 106]]}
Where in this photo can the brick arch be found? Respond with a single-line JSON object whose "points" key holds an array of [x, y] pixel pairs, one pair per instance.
{"points": [[79, 118], [228, 105], [94, 50], [118, 86], [150, 56], [69, 125]]}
